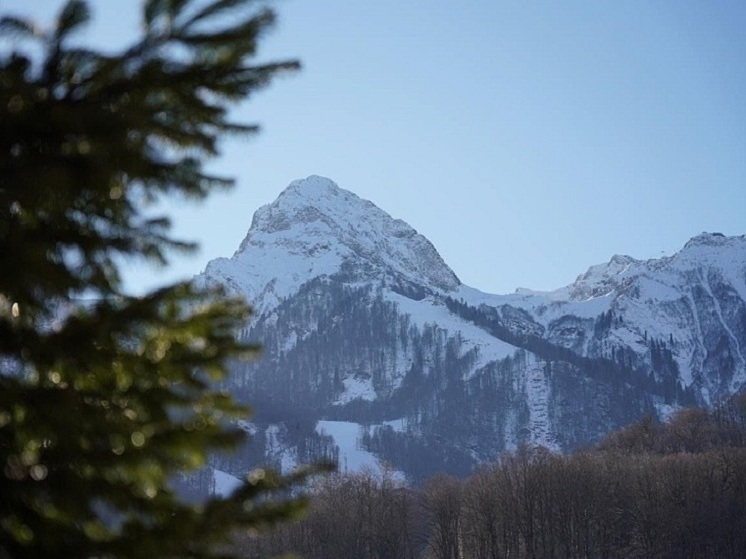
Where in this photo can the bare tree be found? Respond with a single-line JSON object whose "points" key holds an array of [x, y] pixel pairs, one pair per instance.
{"points": [[442, 512]]}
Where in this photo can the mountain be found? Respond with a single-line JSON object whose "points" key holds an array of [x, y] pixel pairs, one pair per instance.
{"points": [[363, 324]]}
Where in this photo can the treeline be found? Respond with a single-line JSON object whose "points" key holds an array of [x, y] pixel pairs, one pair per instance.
{"points": [[674, 490]]}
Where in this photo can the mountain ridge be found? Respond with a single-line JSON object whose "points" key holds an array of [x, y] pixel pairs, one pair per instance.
{"points": [[361, 320], [308, 201]]}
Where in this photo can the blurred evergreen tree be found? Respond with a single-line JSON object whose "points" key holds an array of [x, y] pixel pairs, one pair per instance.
{"points": [[102, 403]]}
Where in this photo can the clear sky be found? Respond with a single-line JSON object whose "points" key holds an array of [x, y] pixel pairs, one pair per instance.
{"points": [[527, 140]]}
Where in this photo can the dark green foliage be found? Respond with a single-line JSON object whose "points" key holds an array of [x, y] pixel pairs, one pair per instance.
{"points": [[102, 403]]}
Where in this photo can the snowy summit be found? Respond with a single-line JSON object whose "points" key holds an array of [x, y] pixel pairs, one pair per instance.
{"points": [[315, 228]]}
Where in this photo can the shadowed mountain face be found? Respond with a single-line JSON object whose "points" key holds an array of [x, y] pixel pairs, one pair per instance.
{"points": [[361, 321]]}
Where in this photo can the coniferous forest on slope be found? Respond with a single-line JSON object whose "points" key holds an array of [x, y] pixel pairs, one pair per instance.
{"points": [[673, 490], [457, 415]]}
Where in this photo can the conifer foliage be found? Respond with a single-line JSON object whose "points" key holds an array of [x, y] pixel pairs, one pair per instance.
{"points": [[102, 403]]}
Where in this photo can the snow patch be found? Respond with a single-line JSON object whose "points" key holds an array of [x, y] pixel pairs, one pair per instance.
{"points": [[224, 484], [352, 457], [347, 436], [356, 388]]}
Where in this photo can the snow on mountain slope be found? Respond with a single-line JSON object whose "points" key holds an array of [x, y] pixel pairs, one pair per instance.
{"points": [[430, 311], [224, 484], [316, 229], [697, 293], [362, 322], [352, 456], [691, 300], [313, 229]]}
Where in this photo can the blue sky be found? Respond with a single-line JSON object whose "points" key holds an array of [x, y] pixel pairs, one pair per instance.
{"points": [[527, 140]]}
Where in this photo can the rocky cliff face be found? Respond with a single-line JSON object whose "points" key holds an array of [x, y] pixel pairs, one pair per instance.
{"points": [[361, 321]]}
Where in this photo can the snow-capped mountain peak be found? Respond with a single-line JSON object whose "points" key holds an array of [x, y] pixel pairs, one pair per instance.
{"points": [[315, 228], [603, 279], [361, 321], [707, 239]]}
